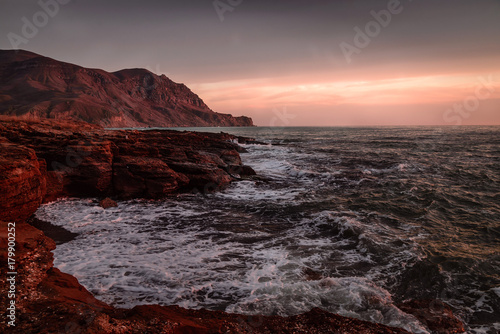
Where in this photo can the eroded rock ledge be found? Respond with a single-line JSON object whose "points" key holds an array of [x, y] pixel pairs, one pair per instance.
{"points": [[43, 161]]}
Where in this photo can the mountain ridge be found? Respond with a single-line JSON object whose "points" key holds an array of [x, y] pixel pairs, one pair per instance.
{"points": [[33, 86]]}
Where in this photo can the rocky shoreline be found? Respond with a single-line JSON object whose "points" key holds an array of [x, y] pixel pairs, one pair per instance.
{"points": [[43, 161]]}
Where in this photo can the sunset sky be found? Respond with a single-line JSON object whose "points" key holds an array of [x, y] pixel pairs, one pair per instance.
{"points": [[289, 63]]}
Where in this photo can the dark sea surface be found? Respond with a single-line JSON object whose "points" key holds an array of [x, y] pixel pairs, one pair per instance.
{"points": [[351, 220]]}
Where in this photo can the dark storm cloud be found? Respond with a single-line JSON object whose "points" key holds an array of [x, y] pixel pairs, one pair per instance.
{"points": [[280, 34]]}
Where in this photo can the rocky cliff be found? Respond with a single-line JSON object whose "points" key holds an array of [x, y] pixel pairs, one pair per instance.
{"points": [[44, 160], [37, 87]]}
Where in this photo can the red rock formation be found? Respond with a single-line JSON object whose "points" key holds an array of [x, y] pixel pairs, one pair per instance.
{"points": [[107, 203], [435, 314], [21, 182], [33, 86], [77, 159]]}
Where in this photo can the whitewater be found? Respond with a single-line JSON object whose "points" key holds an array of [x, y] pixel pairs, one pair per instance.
{"points": [[351, 220]]}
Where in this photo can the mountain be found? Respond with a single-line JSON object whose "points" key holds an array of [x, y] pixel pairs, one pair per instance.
{"points": [[33, 87]]}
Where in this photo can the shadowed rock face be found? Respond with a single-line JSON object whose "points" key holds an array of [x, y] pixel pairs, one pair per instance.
{"points": [[33, 86], [435, 314], [22, 184]]}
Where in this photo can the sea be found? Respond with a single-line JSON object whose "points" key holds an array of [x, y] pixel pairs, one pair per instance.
{"points": [[353, 220]]}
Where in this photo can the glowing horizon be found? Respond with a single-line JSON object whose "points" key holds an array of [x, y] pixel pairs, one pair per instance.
{"points": [[259, 94]]}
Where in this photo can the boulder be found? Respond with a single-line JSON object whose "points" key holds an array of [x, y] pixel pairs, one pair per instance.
{"points": [[107, 203], [435, 314]]}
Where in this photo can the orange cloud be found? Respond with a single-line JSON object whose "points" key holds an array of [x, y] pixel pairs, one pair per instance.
{"points": [[417, 90]]}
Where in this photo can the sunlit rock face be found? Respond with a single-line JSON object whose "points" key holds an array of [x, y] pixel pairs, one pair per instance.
{"points": [[34, 87]]}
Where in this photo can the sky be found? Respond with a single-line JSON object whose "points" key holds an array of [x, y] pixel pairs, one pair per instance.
{"points": [[288, 63]]}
